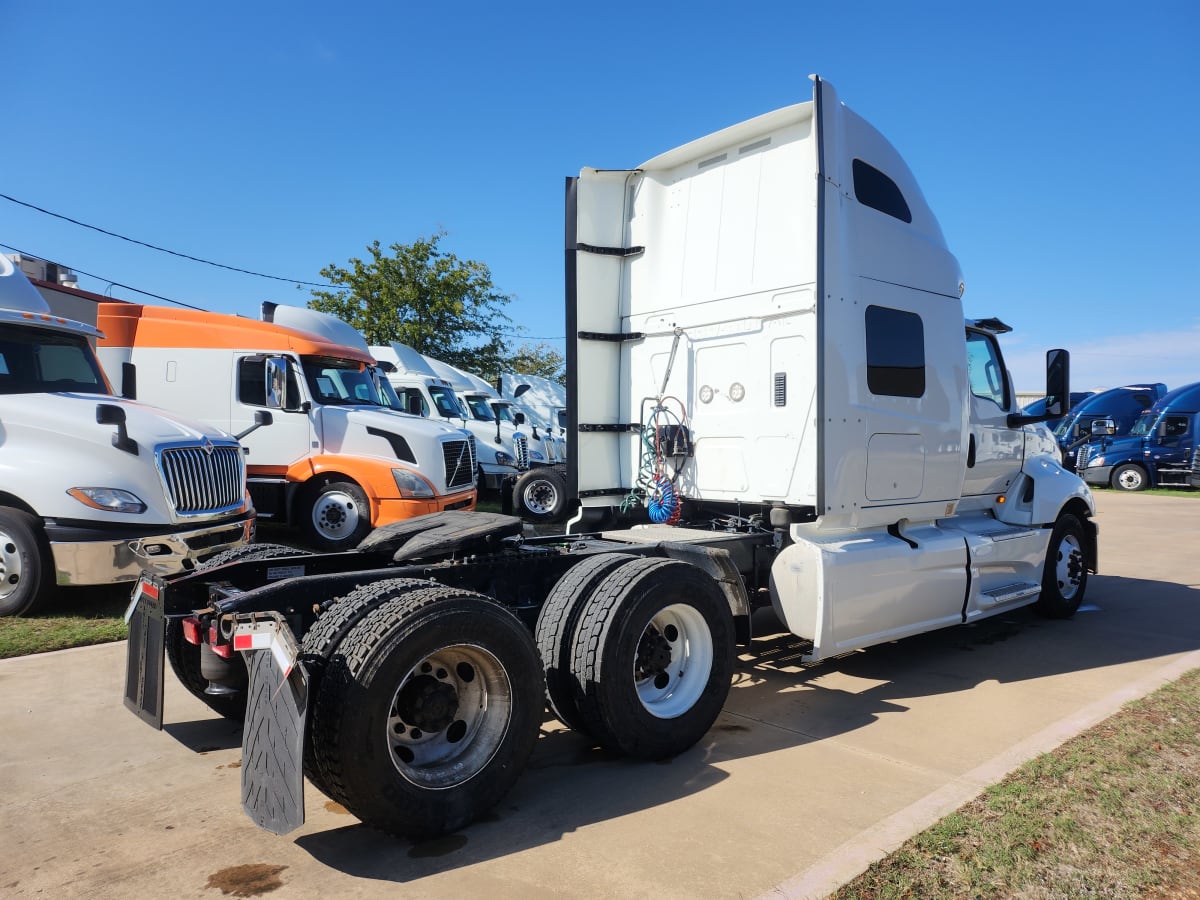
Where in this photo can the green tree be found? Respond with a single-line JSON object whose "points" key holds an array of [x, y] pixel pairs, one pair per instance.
{"points": [[536, 359], [439, 305]]}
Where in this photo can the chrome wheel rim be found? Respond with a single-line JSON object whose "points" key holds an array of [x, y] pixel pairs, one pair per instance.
{"points": [[12, 569], [1068, 567], [336, 515], [449, 716]]}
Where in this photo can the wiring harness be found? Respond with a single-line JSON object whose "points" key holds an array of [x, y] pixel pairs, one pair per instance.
{"points": [[665, 443]]}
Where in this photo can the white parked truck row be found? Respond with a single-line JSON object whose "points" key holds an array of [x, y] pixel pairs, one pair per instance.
{"points": [[524, 463], [95, 488], [775, 400], [327, 446]]}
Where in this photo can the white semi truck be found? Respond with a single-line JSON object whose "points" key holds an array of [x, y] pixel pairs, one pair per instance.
{"points": [[94, 489], [776, 401], [523, 463]]}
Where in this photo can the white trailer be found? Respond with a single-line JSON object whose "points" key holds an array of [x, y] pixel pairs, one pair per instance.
{"points": [[775, 400]]}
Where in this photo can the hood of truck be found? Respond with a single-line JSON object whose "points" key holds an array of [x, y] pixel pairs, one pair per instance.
{"points": [[52, 442], [1122, 448], [383, 433]]}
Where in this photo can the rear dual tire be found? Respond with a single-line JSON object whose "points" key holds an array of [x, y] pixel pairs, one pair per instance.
{"points": [[427, 711], [642, 657]]}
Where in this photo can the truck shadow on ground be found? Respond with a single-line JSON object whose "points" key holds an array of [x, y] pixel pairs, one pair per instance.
{"points": [[778, 703]]}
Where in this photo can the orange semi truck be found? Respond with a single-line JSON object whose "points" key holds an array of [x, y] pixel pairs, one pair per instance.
{"points": [[327, 447]]}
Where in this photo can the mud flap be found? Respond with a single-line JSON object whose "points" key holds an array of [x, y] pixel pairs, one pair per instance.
{"points": [[273, 743], [144, 655]]}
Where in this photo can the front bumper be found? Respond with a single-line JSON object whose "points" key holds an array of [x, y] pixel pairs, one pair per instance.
{"points": [[390, 511], [90, 555], [1098, 475]]}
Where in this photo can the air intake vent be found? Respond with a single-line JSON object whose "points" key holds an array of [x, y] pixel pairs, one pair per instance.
{"points": [[781, 388], [203, 481]]}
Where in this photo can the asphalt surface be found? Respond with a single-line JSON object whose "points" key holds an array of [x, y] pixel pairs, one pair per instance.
{"points": [[809, 774]]}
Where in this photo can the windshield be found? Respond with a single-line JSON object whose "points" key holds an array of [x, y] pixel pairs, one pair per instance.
{"points": [[445, 401], [38, 361], [1143, 426], [480, 408], [345, 382]]}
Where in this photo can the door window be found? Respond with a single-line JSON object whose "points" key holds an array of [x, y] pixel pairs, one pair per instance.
{"points": [[985, 369]]}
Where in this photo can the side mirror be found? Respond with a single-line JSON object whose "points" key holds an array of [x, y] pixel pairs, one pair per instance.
{"points": [[276, 381], [1058, 383], [1103, 428], [129, 381], [414, 405], [110, 414], [519, 418], [261, 418], [1058, 391]]}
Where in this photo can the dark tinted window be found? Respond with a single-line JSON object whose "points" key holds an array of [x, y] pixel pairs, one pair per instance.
{"points": [[895, 352], [874, 189], [37, 360]]}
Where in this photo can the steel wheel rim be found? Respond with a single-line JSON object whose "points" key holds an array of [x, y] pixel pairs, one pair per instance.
{"points": [[448, 716], [1068, 568], [335, 515], [1130, 479], [674, 661], [12, 570], [540, 496]]}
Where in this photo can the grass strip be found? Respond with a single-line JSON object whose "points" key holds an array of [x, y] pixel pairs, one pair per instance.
{"points": [[1113, 812]]}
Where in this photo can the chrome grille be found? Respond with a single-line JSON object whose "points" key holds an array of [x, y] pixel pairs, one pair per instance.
{"points": [[459, 461], [474, 453], [1081, 457], [199, 481], [521, 447]]}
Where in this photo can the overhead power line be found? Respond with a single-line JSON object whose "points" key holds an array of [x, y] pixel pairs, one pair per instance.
{"points": [[107, 281], [207, 262]]}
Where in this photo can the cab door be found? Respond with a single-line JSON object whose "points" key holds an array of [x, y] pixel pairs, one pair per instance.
{"points": [[994, 449], [261, 385]]}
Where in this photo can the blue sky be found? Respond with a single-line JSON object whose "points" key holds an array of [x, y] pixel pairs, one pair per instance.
{"points": [[1056, 142]]}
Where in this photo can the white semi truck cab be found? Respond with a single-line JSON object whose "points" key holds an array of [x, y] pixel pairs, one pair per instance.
{"points": [[95, 489], [776, 400]]}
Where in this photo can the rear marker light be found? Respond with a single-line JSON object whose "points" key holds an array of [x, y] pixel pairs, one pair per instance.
{"points": [[191, 630]]}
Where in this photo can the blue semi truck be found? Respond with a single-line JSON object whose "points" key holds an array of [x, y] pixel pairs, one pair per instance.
{"points": [[1121, 405], [1160, 450]]}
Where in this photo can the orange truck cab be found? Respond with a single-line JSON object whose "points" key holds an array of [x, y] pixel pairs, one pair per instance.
{"points": [[327, 446]]}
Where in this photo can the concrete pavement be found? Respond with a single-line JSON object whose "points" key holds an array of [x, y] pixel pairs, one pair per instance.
{"points": [[808, 775]]}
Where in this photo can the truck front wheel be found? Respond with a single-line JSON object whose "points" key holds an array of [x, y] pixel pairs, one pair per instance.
{"points": [[339, 516], [653, 658], [1064, 578], [24, 563], [427, 712], [1130, 477]]}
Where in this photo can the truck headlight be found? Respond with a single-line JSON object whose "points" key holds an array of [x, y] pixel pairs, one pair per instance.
{"points": [[1095, 461], [534, 454], [412, 486], [108, 499], [503, 459]]}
